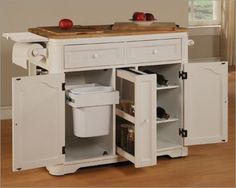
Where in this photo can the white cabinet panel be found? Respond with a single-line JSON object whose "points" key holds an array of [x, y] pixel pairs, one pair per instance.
{"points": [[38, 121], [205, 103], [144, 119]]}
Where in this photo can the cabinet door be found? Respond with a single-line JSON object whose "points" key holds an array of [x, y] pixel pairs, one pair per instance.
{"points": [[205, 103], [38, 121], [143, 119]]}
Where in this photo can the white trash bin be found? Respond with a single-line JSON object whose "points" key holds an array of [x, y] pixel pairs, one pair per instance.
{"points": [[92, 109]]}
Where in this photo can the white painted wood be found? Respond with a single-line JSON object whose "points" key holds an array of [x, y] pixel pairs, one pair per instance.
{"points": [[122, 66], [80, 150], [167, 87], [173, 152], [153, 51], [25, 37], [93, 99], [145, 118], [167, 144], [90, 55], [163, 121], [126, 75], [126, 155], [205, 103], [6, 112], [168, 136], [68, 167], [125, 116], [38, 121]]}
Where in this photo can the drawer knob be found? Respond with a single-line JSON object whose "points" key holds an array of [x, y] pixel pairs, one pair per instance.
{"points": [[154, 52], [95, 56], [191, 42]]}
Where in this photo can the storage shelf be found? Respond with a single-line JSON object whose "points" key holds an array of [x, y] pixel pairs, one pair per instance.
{"points": [[167, 144], [125, 116], [82, 149], [159, 88], [161, 121], [125, 154]]}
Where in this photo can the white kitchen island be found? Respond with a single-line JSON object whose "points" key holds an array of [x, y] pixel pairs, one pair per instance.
{"points": [[195, 98]]}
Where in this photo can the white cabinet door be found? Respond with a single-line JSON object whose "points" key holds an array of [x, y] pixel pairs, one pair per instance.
{"points": [[144, 118], [206, 103], [38, 121]]}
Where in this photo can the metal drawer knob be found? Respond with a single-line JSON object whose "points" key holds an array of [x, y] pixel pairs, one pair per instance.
{"points": [[154, 52], [95, 56]]}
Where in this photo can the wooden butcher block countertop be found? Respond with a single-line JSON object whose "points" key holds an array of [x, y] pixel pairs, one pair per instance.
{"points": [[117, 29]]}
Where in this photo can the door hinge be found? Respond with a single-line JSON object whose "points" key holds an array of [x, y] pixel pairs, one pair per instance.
{"points": [[64, 150], [63, 86], [183, 75], [183, 133]]}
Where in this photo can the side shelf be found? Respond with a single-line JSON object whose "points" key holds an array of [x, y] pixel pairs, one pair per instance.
{"points": [[125, 115], [143, 120]]}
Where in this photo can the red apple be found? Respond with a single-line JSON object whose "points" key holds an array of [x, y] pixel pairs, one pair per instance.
{"points": [[149, 17], [139, 16], [66, 24]]}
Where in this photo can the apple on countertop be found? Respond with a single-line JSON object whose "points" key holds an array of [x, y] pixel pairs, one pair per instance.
{"points": [[66, 24], [141, 16]]}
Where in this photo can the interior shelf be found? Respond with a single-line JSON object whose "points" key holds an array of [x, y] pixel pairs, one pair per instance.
{"points": [[125, 154], [159, 87], [83, 149], [167, 144], [125, 115], [161, 121]]}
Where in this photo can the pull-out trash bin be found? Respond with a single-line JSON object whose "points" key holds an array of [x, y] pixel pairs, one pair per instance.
{"points": [[92, 109]]}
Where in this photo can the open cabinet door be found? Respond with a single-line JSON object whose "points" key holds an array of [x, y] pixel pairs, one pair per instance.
{"points": [[205, 103], [143, 119], [38, 121]]}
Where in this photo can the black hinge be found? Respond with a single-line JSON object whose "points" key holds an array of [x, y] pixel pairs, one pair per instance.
{"points": [[63, 86], [183, 132], [64, 150], [183, 75]]}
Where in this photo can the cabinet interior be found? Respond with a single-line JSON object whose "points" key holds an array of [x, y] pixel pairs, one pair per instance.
{"points": [[122, 130], [78, 148], [168, 136], [168, 97], [103, 77], [127, 95]]}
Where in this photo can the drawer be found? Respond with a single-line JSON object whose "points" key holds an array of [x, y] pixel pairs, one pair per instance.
{"points": [[152, 51], [92, 55]]}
